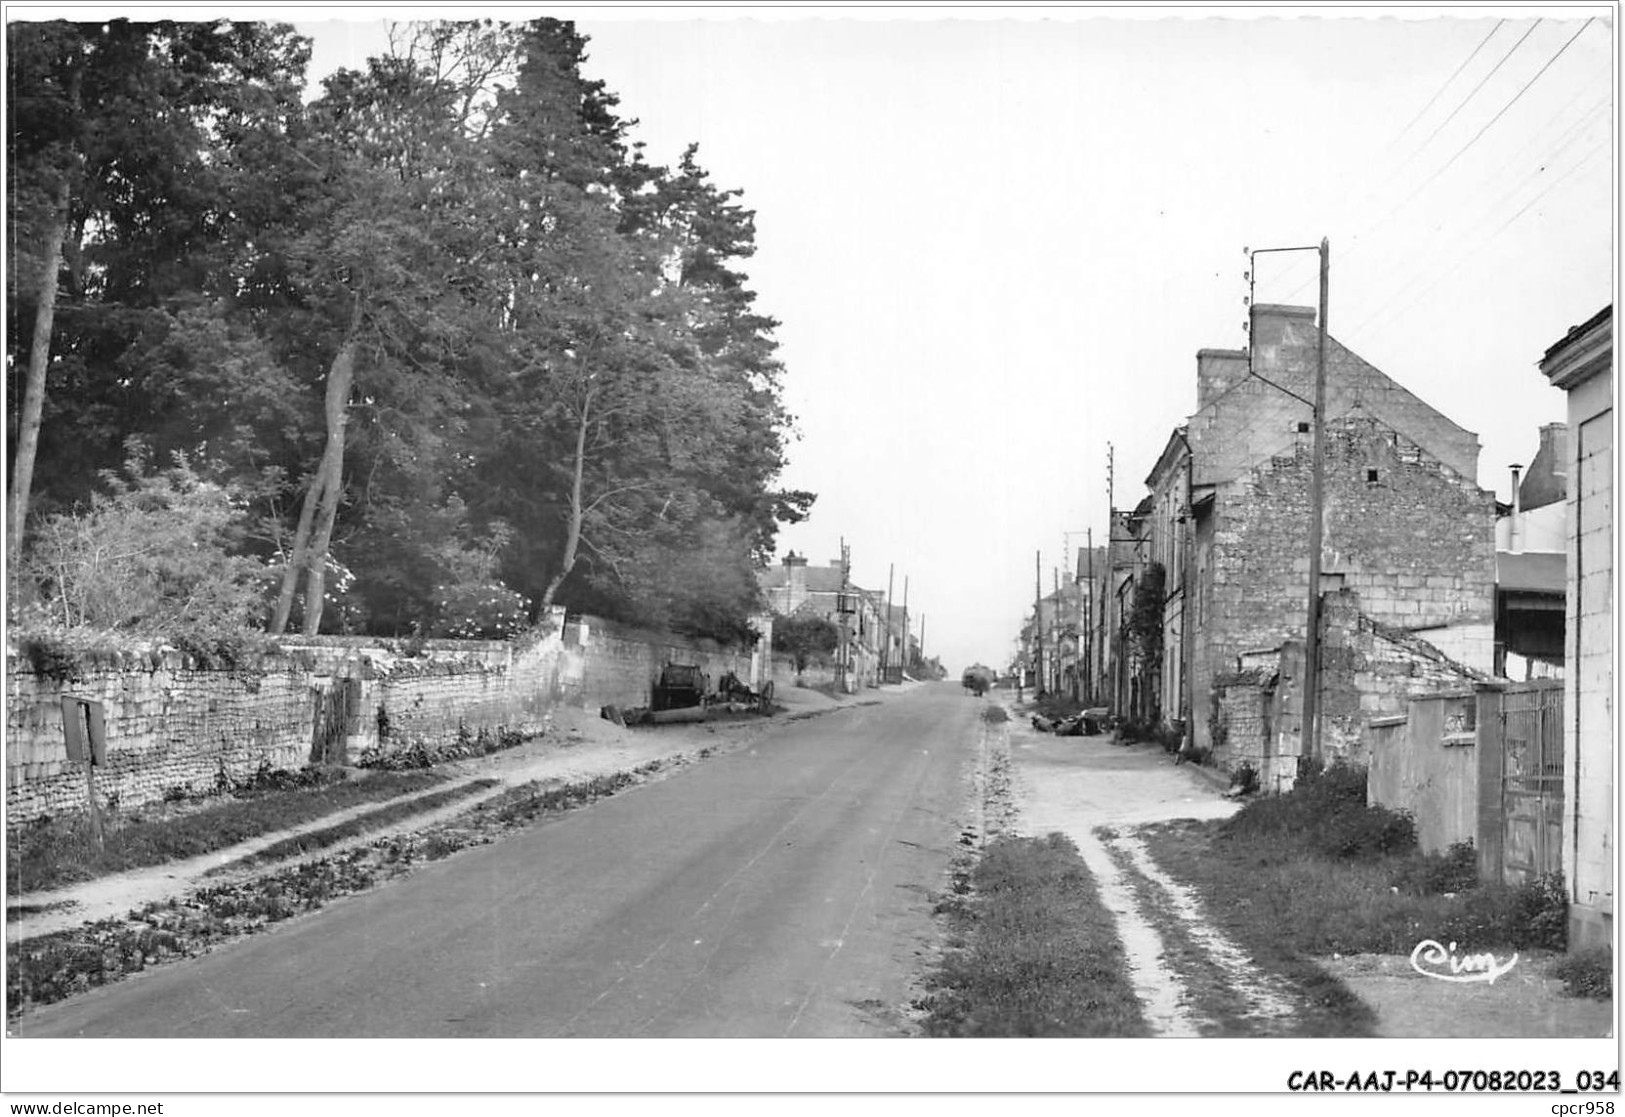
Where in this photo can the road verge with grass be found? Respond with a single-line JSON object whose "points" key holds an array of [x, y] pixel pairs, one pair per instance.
{"points": [[1031, 949]]}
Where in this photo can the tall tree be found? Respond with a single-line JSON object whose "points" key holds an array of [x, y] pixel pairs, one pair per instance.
{"points": [[116, 198]]}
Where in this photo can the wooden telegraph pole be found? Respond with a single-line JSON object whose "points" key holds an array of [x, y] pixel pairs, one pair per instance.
{"points": [[1317, 498], [1038, 623]]}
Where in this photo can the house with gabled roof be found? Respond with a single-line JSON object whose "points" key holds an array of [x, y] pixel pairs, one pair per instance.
{"points": [[797, 588], [1406, 529]]}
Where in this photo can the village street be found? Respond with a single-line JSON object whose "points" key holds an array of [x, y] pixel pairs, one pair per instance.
{"points": [[779, 889]]}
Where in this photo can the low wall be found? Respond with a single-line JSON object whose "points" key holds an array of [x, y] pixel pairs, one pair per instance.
{"points": [[172, 725], [1425, 762]]}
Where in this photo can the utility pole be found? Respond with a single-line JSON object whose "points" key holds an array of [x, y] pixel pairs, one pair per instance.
{"points": [[922, 639], [841, 661], [885, 662], [1038, 622], [1089, 625], [1309, 742], [905, 623], [1317, 481]]}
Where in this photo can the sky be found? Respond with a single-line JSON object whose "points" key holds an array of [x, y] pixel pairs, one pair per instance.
{"points": [[994, 243], [995, 238]]}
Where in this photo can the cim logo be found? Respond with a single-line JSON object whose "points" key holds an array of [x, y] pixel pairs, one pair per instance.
{"points": [[1430, 959]]}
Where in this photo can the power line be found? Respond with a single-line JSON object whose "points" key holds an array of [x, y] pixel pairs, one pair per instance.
{"points": [[1447, 81], [1507, 106], [1494, 70], [1479, 247], [1476, 137], [1565, 140]]}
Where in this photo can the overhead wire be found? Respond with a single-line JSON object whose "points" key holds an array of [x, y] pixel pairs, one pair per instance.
{"points": [[1481, 244], [1473, 93], [1515, 97], [1468, 145], [1434, 99], [1348, 191], [1566, 140]]}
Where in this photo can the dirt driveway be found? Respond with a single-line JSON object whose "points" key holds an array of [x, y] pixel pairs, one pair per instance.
{"points": [[1191, 978]]}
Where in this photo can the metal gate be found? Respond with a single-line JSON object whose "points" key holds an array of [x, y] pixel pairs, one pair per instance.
{"points": [[336, 706], [1531, 723]]}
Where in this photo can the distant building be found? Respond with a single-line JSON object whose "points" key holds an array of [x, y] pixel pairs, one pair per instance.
{"points": [[1582, 365], [796, 588], [1530, 564]]}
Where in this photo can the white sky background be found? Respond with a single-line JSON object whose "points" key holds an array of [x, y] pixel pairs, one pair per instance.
{"points": [[995, 238], [995, 244]]}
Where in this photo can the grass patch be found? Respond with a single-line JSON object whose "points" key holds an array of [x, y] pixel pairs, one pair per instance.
{"points": [[1033, 951], [55, 852], [1587, 973], [1279, 898], [361, 824], [1325, 1007], [993, 714]]}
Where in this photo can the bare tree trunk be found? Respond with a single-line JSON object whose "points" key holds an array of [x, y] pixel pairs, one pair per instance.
{"points": [[339, 379], [572, 535], [315, 516], [39, 360], [301, 545]]}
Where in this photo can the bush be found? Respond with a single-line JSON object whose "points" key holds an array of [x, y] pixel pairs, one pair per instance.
{"points": [[1587, 973], [1326, 811], [1433, 874], [479, 611], [1058, 706], [153, 556]]}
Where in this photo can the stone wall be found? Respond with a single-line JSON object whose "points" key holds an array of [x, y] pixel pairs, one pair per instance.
{"points": [[169, 726], [1406, 533], [172, 726], [1368, 672], [1250, 420]]}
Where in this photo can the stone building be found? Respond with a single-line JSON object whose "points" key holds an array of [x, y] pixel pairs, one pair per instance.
{"points": [[797, 588], [1406, 528], [1582, 365]]}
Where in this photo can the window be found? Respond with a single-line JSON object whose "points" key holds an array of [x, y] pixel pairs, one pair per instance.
{"points": [[1303, 428], [1371, 476]]}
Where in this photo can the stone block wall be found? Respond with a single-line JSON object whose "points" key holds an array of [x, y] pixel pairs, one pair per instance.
{"points": [[169, 726], [172, 726], [1406, 533]]}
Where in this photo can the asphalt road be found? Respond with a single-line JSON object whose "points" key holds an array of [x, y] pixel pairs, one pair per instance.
{"points": [[777, 890]]}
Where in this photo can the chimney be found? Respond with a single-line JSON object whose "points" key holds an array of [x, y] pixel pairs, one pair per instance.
{"points": [[795, 581], [1218, 370], [1276, 330], [1546, 480]]}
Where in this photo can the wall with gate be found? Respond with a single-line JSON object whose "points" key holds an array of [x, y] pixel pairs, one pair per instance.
{"points": [[172, 725], [1485, 765]]}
